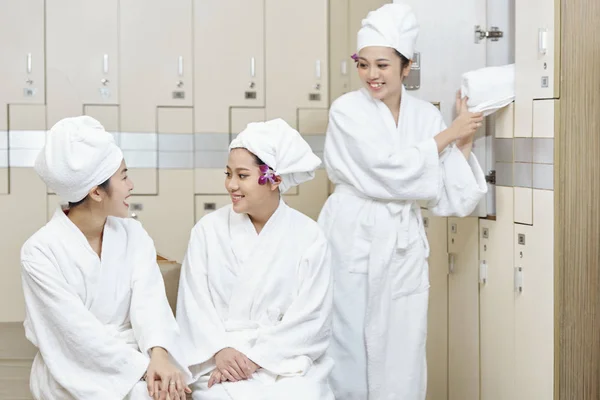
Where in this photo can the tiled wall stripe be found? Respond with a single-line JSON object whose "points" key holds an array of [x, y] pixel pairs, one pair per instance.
{"points": [[141, 150], [525, 162]]}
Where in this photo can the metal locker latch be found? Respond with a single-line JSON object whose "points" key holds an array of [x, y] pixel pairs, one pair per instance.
{"points": [[454, 228], [483, 269], [426, 222], [485, 233], [519, 279], [494, 34], [451, 259], [413, 80]]}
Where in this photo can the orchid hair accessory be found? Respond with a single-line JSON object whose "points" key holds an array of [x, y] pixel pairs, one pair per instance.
{"points": [[267, 175], [354, 57]]}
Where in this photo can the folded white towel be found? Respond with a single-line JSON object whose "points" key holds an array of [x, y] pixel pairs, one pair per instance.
{"points": [[489, 89]]}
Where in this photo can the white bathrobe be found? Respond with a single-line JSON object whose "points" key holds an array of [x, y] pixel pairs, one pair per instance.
{"points": [[268, 295], [378, 243], [94, 319]]}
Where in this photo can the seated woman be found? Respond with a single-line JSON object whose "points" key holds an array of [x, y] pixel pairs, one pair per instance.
{"points": [[96, 307], [255, 292]]}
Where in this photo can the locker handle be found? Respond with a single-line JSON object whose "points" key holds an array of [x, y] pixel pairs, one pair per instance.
{"points": [[344, 68], [318, 69], [105, 64], [180, 66], [451, 259], [483, 268], [252, 67], [29, 63], [543, 41], [519, 279]]}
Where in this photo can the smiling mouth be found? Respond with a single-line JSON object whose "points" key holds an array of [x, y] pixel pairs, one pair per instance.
{"points": [[375, 85]]}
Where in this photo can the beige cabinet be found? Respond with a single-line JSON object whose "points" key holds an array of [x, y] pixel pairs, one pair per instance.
{"points": [[169, 216], [155, 40], [537, 58], [341, 66], [296, 58], [82, 57], [496, 301], [24, 209], [437, 337], [463, 309], [22, 67], [229, 56], [534, 301]]}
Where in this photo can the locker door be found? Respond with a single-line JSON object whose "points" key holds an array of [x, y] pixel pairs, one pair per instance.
{"points": [[229, 72], [155, 70], [22, 66], [340, 64], [496, 301], [169, 216], [537, 57], [463, 309], [82, 68], [437, 337], [534, 301], [296, 58], [24, 209]]}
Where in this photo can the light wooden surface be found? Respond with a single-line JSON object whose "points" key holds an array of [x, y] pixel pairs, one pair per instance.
{"points": [[578, 205]]}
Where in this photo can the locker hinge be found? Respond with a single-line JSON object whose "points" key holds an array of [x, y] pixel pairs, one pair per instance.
{"points": [[494, 34], [491, 177]]}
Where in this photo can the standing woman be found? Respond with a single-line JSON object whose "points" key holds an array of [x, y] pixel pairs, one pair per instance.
{"points": [[385, 150]]}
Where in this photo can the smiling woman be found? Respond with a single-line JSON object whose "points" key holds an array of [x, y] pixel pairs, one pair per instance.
{"points": [[90, 275], [255, 292]]}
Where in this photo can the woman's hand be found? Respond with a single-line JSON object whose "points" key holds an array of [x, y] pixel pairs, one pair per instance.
{"points": [[466, 123], [163, 378], [234, 366], [218, 377]]}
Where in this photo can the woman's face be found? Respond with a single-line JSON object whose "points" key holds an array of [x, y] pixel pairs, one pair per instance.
{"points": [[242, 182], [379, 68], [114, 200]]}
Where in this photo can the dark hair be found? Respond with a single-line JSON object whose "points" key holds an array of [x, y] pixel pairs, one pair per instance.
{"points": [[257, 160], [104, 185], [403, 60]]}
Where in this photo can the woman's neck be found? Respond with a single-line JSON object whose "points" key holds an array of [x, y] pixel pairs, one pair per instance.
{"points": [[393, 103], [261, 217], [90, 223]]}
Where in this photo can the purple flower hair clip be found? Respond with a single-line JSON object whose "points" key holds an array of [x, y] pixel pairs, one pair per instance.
{"points": [[267, 175], [354, 57]]}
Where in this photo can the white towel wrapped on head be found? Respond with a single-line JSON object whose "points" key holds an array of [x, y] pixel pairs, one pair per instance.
{"points": [[489, 89], [282, 148], [79, 154]]}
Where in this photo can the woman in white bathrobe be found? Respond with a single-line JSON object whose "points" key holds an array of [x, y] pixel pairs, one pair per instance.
{"points": [[95, 301], [255, 293], [385, 150]]}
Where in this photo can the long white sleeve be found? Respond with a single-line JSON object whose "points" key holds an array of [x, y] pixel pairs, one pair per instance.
{"points": [[78, 351], [151, 316], [462, 183], [201, 326]]}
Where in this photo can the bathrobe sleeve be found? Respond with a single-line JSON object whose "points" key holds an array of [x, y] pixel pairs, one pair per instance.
{"points": [[462, 182], [80, 354], [151, 316], [290, 347], [201, 326]]}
